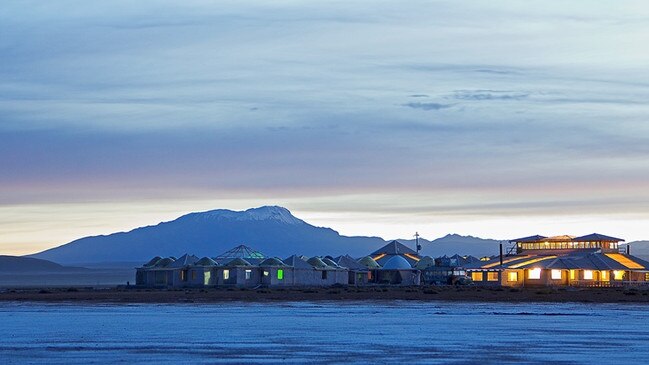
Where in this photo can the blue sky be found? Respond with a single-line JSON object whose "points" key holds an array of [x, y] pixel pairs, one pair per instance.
{"points": [[495, 118]]}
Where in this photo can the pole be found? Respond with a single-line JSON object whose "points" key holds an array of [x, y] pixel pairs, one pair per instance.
{"points": [[501, 255]]}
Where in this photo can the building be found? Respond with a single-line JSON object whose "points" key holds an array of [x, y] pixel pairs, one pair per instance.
{"points": [[243, 266], [591, 260]]}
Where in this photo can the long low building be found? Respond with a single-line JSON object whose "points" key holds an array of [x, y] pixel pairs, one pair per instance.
{"points": [[591, 260], [245, 267]]}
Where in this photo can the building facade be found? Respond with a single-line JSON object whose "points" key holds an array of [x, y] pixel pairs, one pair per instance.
{"points": [[591, 260]]}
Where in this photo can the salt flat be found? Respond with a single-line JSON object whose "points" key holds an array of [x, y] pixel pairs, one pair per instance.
{"points": [[324, 333]]}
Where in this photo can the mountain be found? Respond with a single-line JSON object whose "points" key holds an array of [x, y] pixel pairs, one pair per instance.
{"points": [[272, 230], [17, 264], [639, 248], [455, 243]]}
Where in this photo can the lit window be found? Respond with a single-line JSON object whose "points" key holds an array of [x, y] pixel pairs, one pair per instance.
{"points": [[534, 274], [604, 276], [618, 275], [492, 276], [206, 277], [573, 274], [476, 276], [226, 274], [266, 273], [556, 274], [280, 274], [512, 276], [369, 275], [588, 274], [248, 274]]}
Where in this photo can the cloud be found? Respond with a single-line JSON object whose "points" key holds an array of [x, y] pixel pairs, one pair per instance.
{"points": [[106, 102], [480, 95], [428, 106]]}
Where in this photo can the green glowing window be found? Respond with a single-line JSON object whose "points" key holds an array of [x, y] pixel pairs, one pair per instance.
{"points": [[280, 274]]}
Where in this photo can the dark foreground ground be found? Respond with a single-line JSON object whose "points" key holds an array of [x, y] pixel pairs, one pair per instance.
{"points": [[476, 294]]}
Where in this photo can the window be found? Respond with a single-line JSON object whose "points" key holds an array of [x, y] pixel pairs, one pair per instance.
{"points": [[556, 274], [193, 275], [476, 276], [266, 273], [604, 276], [280, 274], [324, 274], [226, 274], [588, 274], [369, 275], [534, 274], [573, 274], [183, 275], [512, 276], [206, 278], [618, 275], [492, 276], [248, 274]]}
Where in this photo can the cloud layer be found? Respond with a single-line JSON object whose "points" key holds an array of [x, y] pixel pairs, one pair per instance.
{"points": [[438, 109]]}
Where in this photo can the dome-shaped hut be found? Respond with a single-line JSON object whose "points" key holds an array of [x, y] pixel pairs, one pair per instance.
{"points": [[369, 262], [397, 263]]}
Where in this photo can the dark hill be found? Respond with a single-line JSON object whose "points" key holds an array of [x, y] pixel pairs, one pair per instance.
{"points": [[17, 264], [271, 230]]}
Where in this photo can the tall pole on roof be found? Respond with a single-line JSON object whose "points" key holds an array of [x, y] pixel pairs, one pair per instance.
{"points": [[417, 242]]}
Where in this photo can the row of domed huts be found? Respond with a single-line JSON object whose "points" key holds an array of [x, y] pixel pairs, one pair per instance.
{"points": [[245, 267]]}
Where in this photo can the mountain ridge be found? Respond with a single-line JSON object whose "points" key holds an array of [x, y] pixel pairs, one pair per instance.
{"points": [[270, 229]]}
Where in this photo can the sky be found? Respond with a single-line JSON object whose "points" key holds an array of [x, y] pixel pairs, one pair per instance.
{"points": [[497, 119]]}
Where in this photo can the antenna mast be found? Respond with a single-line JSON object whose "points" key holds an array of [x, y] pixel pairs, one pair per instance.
{"points": [[417, 242]]}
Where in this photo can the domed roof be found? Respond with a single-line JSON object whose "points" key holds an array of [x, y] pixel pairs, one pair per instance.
{"points": [[272, 261], [317, 262], [397, 263], [164, 262], [369, 262], [206, 261], [425, 263], [330, 262], [239, 262], [152, 262]]}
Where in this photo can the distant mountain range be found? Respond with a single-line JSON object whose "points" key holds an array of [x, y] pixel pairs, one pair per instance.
{"points": [[17, 264], [272, 230], [455, 243]]}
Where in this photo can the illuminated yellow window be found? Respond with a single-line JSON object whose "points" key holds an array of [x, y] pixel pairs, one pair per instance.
{"points": [[573, 274], [266, 273], [512, 276], [226, 274], [588, 274], [556, 274], [492, 276], [604, 276], [476, 276], [534, 274], [618, 275]]}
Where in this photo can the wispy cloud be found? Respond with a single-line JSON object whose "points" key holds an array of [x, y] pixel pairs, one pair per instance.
{"points": [[428, 106], [106, 101]]}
